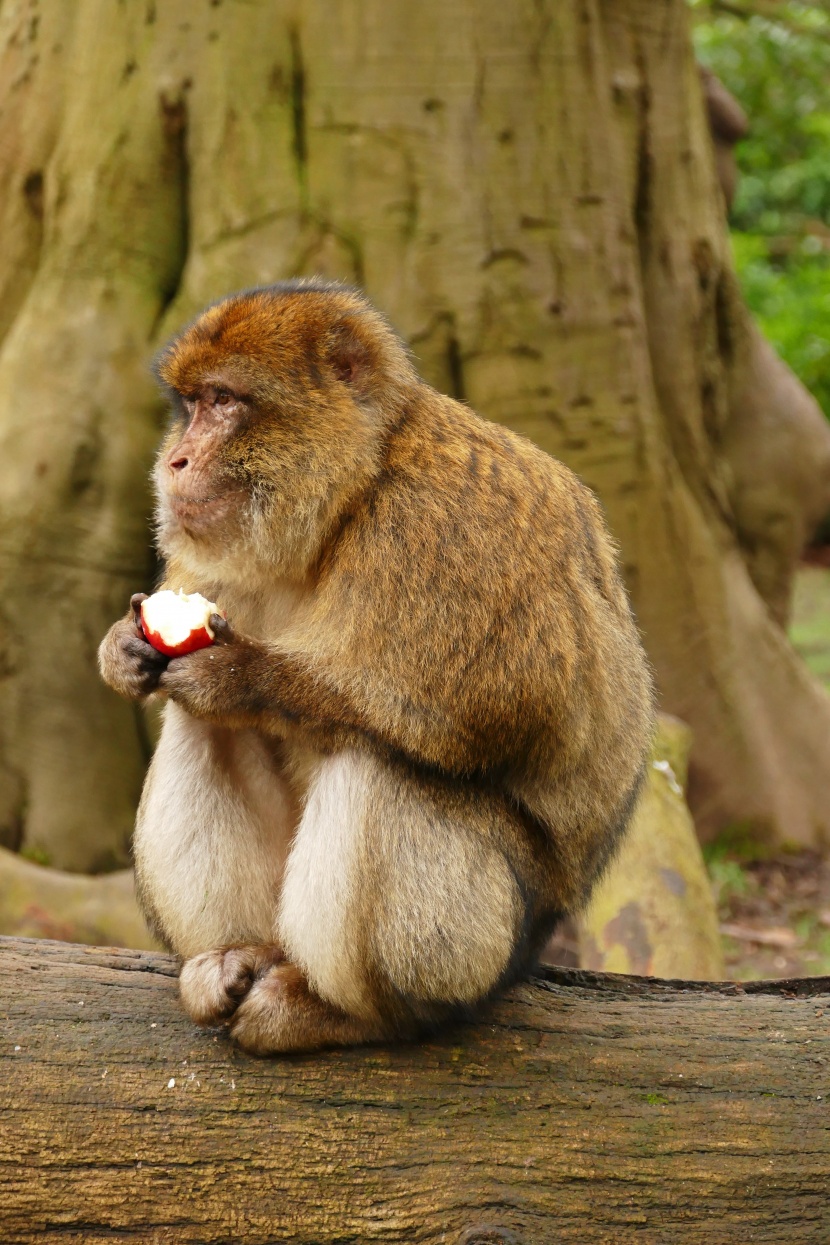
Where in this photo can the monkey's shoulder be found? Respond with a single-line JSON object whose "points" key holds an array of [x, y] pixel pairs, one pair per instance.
{"points": [[473, 497], [474, 535], [448, 461]]}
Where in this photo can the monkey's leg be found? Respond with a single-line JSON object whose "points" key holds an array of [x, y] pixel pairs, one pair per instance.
{"points": [[282, 1013], [213, 832], [404, 900]]}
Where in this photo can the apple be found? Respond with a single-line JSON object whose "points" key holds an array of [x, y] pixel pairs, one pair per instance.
{"points": [[176, 623]]}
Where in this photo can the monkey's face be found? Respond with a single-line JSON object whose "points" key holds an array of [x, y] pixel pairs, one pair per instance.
{"points": [[198, 488], [246, 468], [277, 418]]}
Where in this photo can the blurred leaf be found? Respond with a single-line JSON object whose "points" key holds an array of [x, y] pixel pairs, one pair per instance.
{"points": [[776, 62]]}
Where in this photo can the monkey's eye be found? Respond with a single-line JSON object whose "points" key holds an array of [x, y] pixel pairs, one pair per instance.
{"points": [[223, 398]]}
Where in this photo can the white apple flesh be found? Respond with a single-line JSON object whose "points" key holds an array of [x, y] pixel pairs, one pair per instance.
{"points": [[176, 623]]}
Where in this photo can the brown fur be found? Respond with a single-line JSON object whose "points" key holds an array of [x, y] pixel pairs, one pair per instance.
{"points": [[426, 610]]}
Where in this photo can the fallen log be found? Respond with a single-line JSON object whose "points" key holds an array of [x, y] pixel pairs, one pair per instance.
{"points": [[583, 1107]]}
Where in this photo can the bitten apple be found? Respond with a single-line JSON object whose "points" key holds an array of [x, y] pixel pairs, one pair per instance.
{"points": [[176, 623]]}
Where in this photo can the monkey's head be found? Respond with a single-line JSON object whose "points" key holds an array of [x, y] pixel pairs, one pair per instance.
{"points": [[282, 399]]}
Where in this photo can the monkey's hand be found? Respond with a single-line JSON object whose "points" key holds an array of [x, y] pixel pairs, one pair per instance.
{"points": [[229, 682], [127, 662]]}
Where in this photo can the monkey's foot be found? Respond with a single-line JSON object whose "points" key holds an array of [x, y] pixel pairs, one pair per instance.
{"points": [[280, 1014], [213, 983]]}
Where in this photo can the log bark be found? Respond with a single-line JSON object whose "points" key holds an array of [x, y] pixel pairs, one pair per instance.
{"points": [[581, 1108]]}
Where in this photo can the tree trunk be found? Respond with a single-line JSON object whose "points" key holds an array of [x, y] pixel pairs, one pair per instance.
{"points": [[529, 192], [583, 1108]]}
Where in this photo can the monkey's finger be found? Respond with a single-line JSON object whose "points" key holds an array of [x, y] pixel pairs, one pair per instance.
{"points": [[176, 665], [135, 604], [221, 628], [143, 652], [181, 672]]}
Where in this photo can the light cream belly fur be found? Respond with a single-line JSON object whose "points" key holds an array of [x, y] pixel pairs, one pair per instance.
{"points": [[214, 828]]}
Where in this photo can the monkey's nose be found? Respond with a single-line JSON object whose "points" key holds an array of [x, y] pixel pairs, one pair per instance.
{"points": [[178, 464]]}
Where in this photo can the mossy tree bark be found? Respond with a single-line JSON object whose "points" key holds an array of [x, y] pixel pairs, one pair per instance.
{"points": [[581, 1109], [528, 191]]}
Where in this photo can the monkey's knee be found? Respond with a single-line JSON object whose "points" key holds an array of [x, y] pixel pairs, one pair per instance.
{"points": [[399, 902], [447, 930], [213, 984], [422, 933]]}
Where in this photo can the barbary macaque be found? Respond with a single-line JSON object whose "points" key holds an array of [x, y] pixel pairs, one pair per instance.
{"points": [[423, 723]]}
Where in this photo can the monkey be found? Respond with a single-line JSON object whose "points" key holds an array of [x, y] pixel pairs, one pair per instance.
{"points": [[424, 722]]}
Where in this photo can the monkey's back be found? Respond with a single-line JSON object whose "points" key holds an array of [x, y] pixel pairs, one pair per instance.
{"points": [[475, 597]]}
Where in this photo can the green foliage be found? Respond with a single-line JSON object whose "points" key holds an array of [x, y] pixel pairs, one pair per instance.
{"points": [[735, 843], [810, 627], [790, 298], [37, 855], [778, 68], [729, 879], [780, 78]]}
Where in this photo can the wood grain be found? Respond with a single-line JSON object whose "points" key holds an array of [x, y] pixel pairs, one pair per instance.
{"points": [[582, 1108]]}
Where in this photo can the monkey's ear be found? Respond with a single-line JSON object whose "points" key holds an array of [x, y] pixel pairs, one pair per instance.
{"points": [[345, 368], [350, 359]]}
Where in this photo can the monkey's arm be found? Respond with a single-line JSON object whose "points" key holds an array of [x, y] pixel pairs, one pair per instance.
{"points": [[242, 683]]}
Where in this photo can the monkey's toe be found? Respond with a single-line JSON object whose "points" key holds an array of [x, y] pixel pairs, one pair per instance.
{"points": [[260, 1020], [282, 1015], [213, 983]]}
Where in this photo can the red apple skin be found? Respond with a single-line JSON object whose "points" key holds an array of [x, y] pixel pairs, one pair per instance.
{"points": [[196, 640], [199, 637]]}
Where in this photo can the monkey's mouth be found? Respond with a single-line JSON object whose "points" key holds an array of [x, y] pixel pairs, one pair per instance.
{"points": [[197, 513]]}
